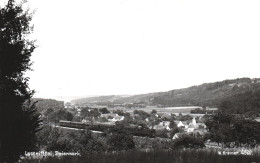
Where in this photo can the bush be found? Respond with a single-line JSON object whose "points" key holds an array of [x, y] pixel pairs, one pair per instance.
{"points": [[188, 141], [162, 133]]}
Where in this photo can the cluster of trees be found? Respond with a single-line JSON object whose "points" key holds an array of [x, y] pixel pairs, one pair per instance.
{"points": [[55, 139], [247, 103], [104, 111], [86, 112], [233, 130], [234, 123], [52, 115], [198, 111], [121, 113], [183, 117], [208, 94]]}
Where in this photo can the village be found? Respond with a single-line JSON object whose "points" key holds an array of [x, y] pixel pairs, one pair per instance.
{"points": [[165, 124]]}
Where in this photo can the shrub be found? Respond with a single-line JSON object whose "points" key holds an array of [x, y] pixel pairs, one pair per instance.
{"points": [[188, 141]]}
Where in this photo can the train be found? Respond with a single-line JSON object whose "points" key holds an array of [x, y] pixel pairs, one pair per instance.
{"points": [[134, 130]]}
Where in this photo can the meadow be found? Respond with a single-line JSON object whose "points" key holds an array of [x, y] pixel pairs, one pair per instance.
{"points": [[169, 110]]}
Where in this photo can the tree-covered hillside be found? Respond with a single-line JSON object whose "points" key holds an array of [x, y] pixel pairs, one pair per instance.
{"points": [[207, 94], [97, 100]]}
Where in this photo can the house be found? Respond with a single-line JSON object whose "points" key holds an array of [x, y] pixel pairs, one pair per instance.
{"points": [[117, 118], [88, 119], [182, 124], [165, 123], [194, 121], [177, 135], [191, 127]]}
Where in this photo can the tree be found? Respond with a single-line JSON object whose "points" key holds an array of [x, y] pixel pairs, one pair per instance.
{"points": [[119, 112], [185, 118], [142, 114], [153, 112], [69, 116], [19, 120], [119, 139], [173, 124], [220, 127], [233, 129], [84, 112], [162, 133], [95, 113], [60, 114], [104, 111], [126, 121], [49, 111]]}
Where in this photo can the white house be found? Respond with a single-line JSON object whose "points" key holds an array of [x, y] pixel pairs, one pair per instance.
{"points": [[191, 127], [182, 124], [177, 135], [117, 118], [165, 123]]}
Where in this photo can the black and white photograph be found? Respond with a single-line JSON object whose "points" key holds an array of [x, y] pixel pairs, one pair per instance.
{"points": [[130, 81]]}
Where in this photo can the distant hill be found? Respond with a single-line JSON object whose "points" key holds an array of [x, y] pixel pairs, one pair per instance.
{"points": [[97, 100], [44, 104], [207, 94]]}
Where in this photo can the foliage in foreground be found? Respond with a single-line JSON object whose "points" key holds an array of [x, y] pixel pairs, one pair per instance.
{"points": [[19, 120], [55, 139], [165, 156]]}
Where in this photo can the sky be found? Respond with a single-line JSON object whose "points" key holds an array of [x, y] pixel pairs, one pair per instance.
{"points": [[112, 47]]}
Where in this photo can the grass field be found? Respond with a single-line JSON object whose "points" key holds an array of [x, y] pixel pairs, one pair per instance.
{"points": [[169, 110]]}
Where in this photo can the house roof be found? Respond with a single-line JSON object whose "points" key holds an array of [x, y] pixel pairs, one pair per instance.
{"points": [[191, 125], [185, 123], [257, 119]]}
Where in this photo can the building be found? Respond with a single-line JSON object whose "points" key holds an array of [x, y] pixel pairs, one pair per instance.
{"points": [[116, 118], [182, 124]]}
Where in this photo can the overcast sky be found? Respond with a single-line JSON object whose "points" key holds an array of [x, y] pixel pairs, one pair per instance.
{"points": [[103, 47]]}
